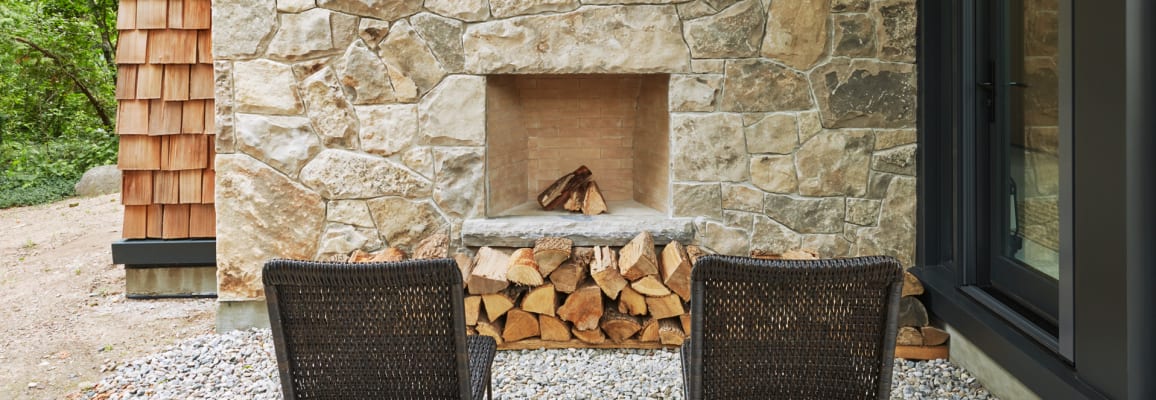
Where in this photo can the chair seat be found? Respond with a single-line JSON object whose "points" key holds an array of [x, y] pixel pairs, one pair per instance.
{"points": [[482, 350]]}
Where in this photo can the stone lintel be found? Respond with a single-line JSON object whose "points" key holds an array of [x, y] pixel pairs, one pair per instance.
{"points": [[599, 230]]}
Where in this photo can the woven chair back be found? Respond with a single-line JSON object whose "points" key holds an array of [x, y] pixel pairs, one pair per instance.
{"points": [[793, 329], [368, 330]]}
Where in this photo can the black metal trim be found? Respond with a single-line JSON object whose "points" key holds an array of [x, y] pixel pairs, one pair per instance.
{"points": [[151, 252], [1141, 226], [1035, 365]]}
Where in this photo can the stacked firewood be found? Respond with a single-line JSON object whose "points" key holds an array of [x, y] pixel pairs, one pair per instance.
{"points": [[555, 292], [575, 191], [914, 325]]}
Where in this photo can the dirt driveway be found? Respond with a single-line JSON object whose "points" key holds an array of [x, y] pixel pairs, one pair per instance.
{"points": [[63, 315]]}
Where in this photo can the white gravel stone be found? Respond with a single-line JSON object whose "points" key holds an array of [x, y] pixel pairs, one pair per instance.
{"points": [[242, 365]]}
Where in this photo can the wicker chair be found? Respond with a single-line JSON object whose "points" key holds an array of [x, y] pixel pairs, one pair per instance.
{"points": [[374, 330], [791, 329]]}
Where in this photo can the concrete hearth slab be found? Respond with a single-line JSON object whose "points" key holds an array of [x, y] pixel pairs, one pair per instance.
{"points": [[521, 226]]}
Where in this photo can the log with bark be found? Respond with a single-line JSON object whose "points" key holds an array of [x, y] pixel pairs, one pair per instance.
{"points": [[676, 269], [520, 325], [553, 329], [523, 270], [650, 286], [631, 302], [573, 271], [604, 270], [550, 252], [489, 273], [559, 192], [619, 326], [593, 336], [649, 332], [358, 256], [583, 308], [497, 304], [909, 336], [670, 332], [665, 307], [541, 300], [473, 306], [491, 328], [637, 258], [933, 336]]}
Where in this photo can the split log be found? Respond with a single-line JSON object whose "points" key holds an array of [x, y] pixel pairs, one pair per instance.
{"points": [[522, 269], [592, 202], [390, 254], [604, 270], [573, 271], [574, 201], [637, 259], [911, 285], [794, 254], [559, 191], [541, 300], [909, 336], [676, 269], [665, 307], [695, 253], [670, 332], [520, 325], [619, 326], [550, 252], [359, 256], [471, 331], [631, 302], [433, 246], [685, 319], [489, 273], [583, 307], [649, 332], [553, 329], [473, 306], [933, 336], [912, 312], [493, 329], [650, 286], [497, 304], [465, 265], [593, 336]]}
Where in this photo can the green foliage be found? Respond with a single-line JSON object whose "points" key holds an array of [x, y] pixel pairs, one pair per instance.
{"points": [[57, 105]]}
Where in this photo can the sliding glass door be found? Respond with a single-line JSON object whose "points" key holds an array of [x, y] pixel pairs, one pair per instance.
{"points": [[1018, 168]]}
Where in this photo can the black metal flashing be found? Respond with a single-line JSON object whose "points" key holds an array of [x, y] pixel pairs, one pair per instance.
{"points": [[152, 252]]}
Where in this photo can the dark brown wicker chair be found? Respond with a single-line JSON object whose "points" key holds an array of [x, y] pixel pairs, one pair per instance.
{"points": [[374, 330], [783, 329]]}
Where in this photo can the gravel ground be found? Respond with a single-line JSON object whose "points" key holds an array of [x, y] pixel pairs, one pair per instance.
{"points": [[241, 365]]}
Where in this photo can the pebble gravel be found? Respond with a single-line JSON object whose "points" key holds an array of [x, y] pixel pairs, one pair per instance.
{"points": [[242, 365]]}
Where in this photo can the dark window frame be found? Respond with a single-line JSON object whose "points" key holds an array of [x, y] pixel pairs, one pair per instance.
{"points": [[1111, 61]]}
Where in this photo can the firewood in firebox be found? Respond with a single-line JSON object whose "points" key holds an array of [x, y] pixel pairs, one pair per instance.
{"points": [[560, 191]]}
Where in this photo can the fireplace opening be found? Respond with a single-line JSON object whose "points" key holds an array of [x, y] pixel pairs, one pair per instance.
{"points": [[541, 127]]}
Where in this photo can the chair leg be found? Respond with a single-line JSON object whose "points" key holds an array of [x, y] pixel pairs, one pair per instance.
{"points": [[489, 393]]}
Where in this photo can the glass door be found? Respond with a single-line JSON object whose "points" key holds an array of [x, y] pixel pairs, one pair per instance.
{"points": [[1019, 145]]}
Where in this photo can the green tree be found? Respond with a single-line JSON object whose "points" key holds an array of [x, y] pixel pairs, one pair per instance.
{"points": [[57, 83]]}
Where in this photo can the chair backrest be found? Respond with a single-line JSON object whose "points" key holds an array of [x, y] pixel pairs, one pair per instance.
{"points": [[793, 329], [368, 330]]}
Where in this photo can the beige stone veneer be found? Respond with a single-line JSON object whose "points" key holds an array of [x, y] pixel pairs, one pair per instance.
{"points": [[357, 124]]}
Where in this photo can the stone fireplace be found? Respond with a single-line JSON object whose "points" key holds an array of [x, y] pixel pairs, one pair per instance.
{"points": [[739, 126]]}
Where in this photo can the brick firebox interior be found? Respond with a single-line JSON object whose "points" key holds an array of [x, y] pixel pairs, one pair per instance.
{"points": [[540, 127]]}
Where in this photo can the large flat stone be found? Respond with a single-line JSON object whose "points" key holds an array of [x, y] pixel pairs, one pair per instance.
{"points": [[413, 67], [388, 10], [340, 174], [330, 111], [453, 114], [387, 129], [301, 35], [260, 203], [835, 163], [708, 148], [404, 222], [598, 230], [796, 32], [806, 215], [265, 87], [239, 26], [737, 32], [897, 21], [757, 85], [592, 39], [285, 143], [866, 94]]}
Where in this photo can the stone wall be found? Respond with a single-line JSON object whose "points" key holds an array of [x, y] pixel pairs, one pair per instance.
{"points": [[356, 124]]}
